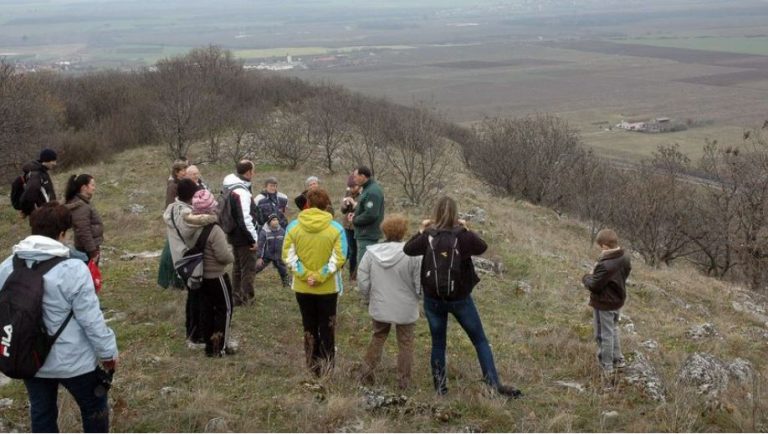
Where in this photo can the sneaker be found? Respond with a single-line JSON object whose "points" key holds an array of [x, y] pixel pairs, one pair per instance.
{"points": [[509, 392], [230, 351], [619, 364]]}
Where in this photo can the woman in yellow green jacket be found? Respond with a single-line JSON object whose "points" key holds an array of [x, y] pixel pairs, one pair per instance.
{"points": [[315, 249]]}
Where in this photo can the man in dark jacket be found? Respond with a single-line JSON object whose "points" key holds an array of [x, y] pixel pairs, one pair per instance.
{"points": [[369, 212], [607, 293], [39, 186], [245, 236]]}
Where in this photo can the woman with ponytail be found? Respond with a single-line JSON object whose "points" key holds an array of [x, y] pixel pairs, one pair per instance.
{"points": [[87, 225]]}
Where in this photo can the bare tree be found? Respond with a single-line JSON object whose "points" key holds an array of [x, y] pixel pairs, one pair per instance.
{"points": [[29, 117], [287, 139], [371, 119], [329, 121], [654, 206], [418, 154]]}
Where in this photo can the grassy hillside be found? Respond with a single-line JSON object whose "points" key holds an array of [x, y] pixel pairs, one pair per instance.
{"points": [[539, 336]]}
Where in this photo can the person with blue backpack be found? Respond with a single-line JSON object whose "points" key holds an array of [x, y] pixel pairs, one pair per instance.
{"points": [[41, 282], [447, 279]]}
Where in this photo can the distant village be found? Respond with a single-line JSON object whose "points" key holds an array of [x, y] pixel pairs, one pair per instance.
{"points": [[325, 61], [657, 125]]}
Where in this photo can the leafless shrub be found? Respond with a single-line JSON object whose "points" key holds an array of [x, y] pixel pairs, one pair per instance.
{"points": [[418, 154], [528, 158], [287, 139]]}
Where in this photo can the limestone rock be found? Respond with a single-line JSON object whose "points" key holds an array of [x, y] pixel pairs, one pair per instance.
{"points": [[141, 255], [523, 287], [609, 418], [376, 399], [167, 391], [702, 331], [135, 208], [571, 385], [475, 215], [650, 344], [705, 371], [487, 266], [217, 424], [641, 373], [741, 370]]}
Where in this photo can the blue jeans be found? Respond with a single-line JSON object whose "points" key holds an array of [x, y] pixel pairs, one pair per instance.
{"points": [[43, 405], [466, 314]]}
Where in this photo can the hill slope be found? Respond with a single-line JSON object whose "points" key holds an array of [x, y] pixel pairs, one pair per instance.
{"points": [[535, 316]]}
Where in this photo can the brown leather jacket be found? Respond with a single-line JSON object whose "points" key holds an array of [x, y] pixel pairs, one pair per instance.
{"points": [[607, 282]]}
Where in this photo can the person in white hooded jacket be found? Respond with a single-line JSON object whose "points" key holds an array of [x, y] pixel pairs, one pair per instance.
{"points": [[389, 282], [84, 342], [244, 238]]}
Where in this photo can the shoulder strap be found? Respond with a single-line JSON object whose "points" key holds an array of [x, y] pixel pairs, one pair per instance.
{"points": [[62, 327], [173, 220], [203, 238], [42, 266]]}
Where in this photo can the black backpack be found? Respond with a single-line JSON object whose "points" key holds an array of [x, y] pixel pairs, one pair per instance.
{"points": [[442, 270], [24, 340], [18, 186]]}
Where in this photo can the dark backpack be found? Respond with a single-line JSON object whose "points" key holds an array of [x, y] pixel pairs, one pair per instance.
{"points": [[226, 219], [24, 340], [442, 270], [17, 190]]}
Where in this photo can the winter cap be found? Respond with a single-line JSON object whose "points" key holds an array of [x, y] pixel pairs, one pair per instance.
{"points": [[203, 202], [47, 155], [270, 180], [351, 181], [272, 216]]}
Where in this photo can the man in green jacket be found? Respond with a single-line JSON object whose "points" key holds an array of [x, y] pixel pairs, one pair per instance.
{"points": [[369, 211]]}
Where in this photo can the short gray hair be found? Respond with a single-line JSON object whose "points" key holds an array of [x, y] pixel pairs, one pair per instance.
{"points": [[310, 180]]}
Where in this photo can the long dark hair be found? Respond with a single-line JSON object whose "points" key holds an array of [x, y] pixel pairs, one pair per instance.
{"points": [[75, 183]]}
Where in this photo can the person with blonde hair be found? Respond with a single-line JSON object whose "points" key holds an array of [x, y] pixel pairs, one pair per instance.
{"points": [[448, 283], [389, 284]]}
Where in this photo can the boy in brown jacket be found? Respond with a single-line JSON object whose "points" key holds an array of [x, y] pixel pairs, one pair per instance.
{"points": [[607, 294]]}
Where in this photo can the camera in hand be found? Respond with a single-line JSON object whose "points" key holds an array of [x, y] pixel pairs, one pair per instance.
{"points": [[103, 381]]}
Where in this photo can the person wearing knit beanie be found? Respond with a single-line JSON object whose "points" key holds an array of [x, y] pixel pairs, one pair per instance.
{"points": [[203, 202], [38, 187], [47, 155]]}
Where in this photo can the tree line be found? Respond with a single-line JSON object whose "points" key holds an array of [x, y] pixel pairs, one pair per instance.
{"points": [[207, 97], [712, 212]]}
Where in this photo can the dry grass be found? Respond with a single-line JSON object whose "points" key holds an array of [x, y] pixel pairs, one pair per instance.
{"points": [[537, 338]]}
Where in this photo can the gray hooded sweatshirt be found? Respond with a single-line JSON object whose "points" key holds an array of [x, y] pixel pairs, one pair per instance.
{"points": [[390, 282]]}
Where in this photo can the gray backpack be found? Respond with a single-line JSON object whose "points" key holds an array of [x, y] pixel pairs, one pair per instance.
{"points": [[226, 219]]}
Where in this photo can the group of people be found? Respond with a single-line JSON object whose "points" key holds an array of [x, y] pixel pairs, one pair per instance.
{"points": [[433, 268]]}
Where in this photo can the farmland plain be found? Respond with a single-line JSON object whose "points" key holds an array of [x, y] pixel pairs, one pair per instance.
{"points": [[593, 63]]}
